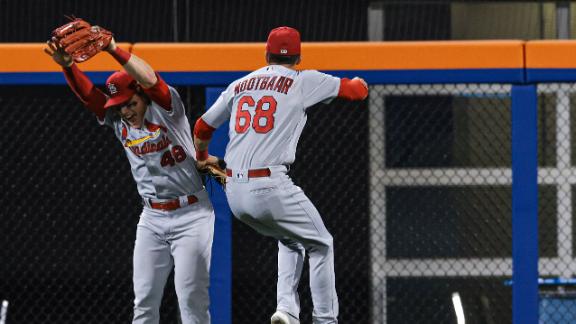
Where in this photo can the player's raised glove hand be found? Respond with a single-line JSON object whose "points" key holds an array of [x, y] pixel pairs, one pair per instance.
{"points": [[213, 167], [58, 54], [81, 40]]}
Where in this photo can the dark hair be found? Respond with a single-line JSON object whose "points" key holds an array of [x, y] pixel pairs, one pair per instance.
{"points": [[282, 59], [143, 95], [140, 92]]}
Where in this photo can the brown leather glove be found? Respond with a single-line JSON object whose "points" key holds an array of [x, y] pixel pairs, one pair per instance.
{"points": [[80, 39], [216, 172]]}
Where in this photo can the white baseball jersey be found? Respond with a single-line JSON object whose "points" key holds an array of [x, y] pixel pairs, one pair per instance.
{"points": [[267, 112], [161, 151]]}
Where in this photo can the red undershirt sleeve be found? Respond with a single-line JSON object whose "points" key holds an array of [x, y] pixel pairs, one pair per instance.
{"points": [[202, 130], [93, 98], [160, 94]]}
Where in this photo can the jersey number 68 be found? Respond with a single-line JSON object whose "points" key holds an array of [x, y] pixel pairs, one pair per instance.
{"points": [[244, 118]]}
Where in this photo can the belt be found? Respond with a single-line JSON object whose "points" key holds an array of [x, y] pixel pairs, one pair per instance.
{"points": [[254, 173], [173, 204]]}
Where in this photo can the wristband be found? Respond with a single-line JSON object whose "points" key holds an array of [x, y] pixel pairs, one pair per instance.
{"points": [[201, 155]]}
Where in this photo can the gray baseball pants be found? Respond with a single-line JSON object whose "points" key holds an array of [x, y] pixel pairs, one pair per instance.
{"points": [[275, 207], [181, 240]]}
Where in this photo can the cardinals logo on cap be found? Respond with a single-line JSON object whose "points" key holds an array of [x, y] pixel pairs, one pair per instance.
{"points": [[121, 87], [112, 88]]}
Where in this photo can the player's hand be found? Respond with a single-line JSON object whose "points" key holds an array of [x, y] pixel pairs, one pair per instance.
{"points": [[363, 82], [58, 54], [211, 160]]}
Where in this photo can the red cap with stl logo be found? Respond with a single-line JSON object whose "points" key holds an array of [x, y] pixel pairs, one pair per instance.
{"points": [[121, 87], [283, 41]]}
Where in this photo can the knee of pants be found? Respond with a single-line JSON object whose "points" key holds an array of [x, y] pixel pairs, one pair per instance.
{"points": [[292, 245], [322, 243]]}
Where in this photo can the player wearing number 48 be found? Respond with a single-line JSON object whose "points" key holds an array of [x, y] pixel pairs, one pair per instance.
{"points": [[266, 111], [176, 225]]}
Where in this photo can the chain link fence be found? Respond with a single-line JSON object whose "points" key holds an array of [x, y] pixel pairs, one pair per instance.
{"points": [[440, 203], [557, 115], [69, 212], [71, 208], [433, 208], [414, 185]]}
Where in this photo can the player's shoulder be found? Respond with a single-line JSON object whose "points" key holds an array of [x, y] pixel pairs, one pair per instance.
{"points": [[173, 92], [314, 76], [305, 73]]}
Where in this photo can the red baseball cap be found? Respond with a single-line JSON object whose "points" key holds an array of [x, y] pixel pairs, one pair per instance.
{"points": [[121, 87], [283, 41]]}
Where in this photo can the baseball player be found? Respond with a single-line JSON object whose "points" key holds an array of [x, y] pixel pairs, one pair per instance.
{"points": [[267, 111], [177, 221]]}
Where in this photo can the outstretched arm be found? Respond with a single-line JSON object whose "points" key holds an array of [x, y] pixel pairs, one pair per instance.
{"points": [[91, 97], [135, 66], [144, 74]]}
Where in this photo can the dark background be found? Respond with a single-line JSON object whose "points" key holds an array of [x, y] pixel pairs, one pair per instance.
{"points": [[70, 207]]}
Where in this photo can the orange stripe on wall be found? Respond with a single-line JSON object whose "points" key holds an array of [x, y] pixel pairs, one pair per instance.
{"points": [[170, 57], [174, 57], [30, 57], [551, 54], [416, 55], [338, 56]]}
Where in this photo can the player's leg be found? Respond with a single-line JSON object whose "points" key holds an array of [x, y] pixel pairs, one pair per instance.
{"points": [[246, 201], [276, 207], [323, 283], [192, 250], [152, 265], [290, 263], [297, 218]]}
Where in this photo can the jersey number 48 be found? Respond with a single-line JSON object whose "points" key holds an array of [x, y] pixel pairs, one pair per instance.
{"points": [[173, 156], [244, 118]]}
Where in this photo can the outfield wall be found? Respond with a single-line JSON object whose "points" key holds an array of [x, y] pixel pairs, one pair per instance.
{"points": [[517, 63]]}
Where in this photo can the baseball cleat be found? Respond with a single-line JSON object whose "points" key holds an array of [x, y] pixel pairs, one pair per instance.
{"points": [[282, 318]]}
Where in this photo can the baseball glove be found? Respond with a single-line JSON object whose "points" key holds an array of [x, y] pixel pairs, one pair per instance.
{"points": [[216, 172], [80, 39]]}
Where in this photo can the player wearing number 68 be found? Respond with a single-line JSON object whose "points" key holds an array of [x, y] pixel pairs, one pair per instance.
{"points": [[266, 111], [177, 221]]}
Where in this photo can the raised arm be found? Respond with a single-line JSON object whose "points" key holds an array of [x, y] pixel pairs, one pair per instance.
{"points": [[135, 66], [83, 88], [144, 74]]}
